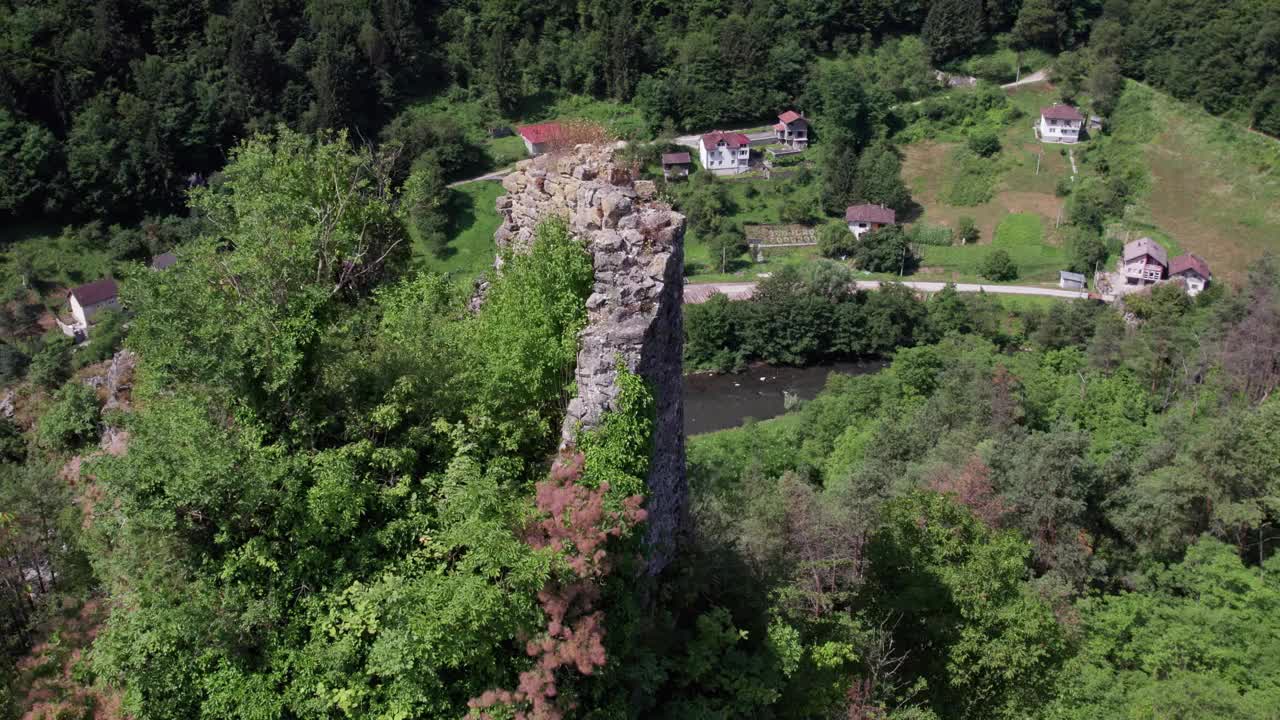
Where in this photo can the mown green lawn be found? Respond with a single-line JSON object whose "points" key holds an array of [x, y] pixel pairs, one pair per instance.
{"points": [[473, 221], [1019, 234]]}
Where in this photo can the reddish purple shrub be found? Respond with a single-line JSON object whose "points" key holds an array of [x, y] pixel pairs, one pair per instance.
{"points": [[575, 523]]}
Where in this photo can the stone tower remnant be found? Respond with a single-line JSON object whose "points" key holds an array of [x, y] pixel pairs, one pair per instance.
{"points": [[633, 313]]}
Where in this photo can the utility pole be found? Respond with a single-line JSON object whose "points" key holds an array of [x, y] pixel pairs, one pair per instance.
{"points": [[1038, 162]]}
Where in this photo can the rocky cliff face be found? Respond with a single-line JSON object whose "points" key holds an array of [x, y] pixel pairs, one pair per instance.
{"points": [[634, 311]]}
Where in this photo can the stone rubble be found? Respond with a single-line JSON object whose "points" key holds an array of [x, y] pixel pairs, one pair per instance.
{"points": [[634, 311]]}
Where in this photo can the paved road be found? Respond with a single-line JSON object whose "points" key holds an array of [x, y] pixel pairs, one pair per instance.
{"points": [[701, 292]]}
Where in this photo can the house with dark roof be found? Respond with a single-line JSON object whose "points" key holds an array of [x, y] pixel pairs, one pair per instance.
{"points": [[1145, 262], [676, 165], [87, 301], [1059, 124], [538, 138], [163, 261], [868, 218], [792, 129], [725, 153], [1192, 270]]}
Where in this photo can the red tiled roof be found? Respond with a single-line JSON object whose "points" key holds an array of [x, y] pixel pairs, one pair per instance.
{"points": [[790, 116], [1061, 112], [95, 292], [731, 139], [539, 133], [871, 214], [676, 158], [1195, 263]]}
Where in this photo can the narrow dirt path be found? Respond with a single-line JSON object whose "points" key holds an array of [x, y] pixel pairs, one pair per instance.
{"points": [[1033, 78]]}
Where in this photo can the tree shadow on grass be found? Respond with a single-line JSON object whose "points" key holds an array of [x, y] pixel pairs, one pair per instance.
{"points": [[911, 213], [461, 210]]}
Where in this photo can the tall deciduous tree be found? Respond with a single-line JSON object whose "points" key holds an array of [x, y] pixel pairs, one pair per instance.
{"points": [[954, 28]]}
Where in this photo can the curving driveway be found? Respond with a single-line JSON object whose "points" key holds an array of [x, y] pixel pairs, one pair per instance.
{"points": [[702, 292]]}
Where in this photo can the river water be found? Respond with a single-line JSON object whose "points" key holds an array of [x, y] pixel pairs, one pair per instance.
{"points": [[716, 402]]}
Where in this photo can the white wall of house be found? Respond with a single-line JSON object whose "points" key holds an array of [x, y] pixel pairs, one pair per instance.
{"points": [[1062, 131], [797, 133], [84, 315], [534, 148], [722, 160], [861, 228], [1195, 283]]}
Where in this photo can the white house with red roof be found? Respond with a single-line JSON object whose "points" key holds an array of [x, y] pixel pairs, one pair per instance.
{"points": [[1145, 262], [1059, 124], [863, 219], [725, 153], [538, 138], [1192, 270], [792, 129]]}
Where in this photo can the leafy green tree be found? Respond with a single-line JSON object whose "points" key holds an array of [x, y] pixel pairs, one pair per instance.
{"points": [[841, 180], [953, 28], [1038, 25], [879, 178], [955, 586], [884, 250], [983, 142], [1069, 73], [1086, 250], [1266, 110], [72, 419], [998, 266], [30, 170], [705, 202], [968, 230], [726, 247], [1105, 85], [51, 365], [1195, 640], [836, 241]]}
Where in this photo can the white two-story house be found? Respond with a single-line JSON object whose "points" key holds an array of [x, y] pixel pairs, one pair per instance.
{"points": [[725, 153], [792, 129], [1059, 124]]}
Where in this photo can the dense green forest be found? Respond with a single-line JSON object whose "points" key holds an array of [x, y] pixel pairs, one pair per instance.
{"points": [[333, 489], [112, 109]]}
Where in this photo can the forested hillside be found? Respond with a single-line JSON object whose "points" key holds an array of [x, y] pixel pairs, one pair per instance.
{"points": [[112, 109], [299, 471]]}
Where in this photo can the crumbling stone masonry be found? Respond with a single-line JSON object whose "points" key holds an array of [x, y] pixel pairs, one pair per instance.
{"points": [[634, 311]]}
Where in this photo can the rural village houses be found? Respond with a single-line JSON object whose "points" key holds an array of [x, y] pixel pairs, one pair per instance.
{"points": [[725, 153], [866, 218], [792, 129], [1146, 262], [1059, 124], [87, 301]]}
